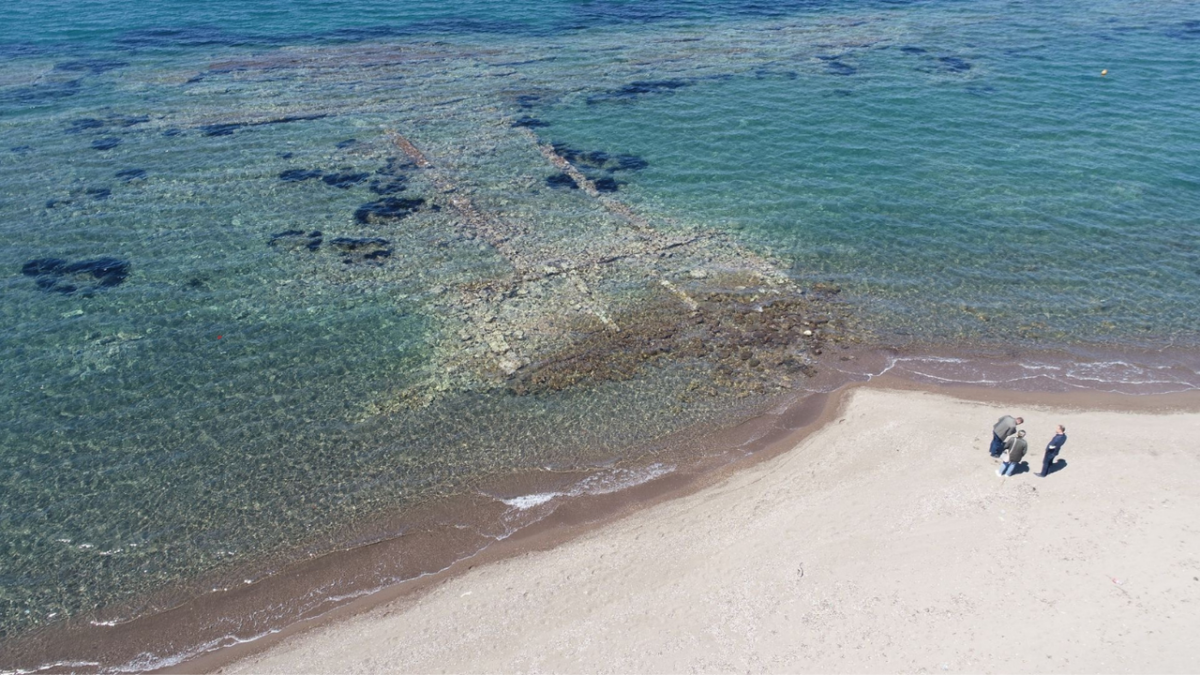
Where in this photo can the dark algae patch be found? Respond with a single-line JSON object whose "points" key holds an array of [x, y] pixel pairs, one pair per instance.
{"points": [[61, 276], [636, 90], [344, 180], [597, 165], [606, 184], [530, 122], [387, 209], [84, 124], [43, 93], [296, 240], [130, 174], [298, 175], [228, 128], [365, 249], [90, 66], [839, 68], [389, 186], [630, 163], [954, 64], [561, 181]]}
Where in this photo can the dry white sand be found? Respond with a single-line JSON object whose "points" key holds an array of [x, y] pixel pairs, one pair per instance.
{"points": [[883, 542]]}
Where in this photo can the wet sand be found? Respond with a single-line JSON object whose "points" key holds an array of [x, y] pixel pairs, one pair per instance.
{"points": [[881, 541]]}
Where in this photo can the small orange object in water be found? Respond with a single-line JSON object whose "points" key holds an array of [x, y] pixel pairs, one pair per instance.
{"points": [[1104, 72]]}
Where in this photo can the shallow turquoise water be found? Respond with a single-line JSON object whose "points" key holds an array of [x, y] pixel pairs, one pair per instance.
{"points": [[974, 178], [961, 170]]}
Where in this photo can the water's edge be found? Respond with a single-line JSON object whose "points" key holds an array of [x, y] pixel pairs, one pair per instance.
{"points": [[521, 513]]}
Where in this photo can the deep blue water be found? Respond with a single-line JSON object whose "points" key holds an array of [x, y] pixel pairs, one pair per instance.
{"points": [[214, 386]]}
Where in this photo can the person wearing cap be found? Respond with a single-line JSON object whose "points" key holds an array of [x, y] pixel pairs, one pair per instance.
{"points": [[1052, 449], [1007, 426], [1016, 447]]}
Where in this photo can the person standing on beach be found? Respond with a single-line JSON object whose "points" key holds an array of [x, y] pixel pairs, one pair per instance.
{"points": [[1016, 447], [1007, 426], [1052, 449]]}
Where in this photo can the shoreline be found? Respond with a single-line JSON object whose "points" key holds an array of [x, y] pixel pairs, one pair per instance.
{"points": [[552, 554], [581, 517], [732, 450]]}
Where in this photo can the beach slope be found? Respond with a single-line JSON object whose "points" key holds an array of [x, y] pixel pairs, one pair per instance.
{"points": [[885, 541]]}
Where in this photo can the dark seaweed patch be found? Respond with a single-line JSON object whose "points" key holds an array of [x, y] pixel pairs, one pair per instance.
{"points": [[606, 184], [630, 163], [59, 276], [530, 122], [84, 124], [387, 208], [129, 120], [294, 240], [98, 193], [106, 143], [220, 129], [362, 249], [561, 181], [106, 271], [765, 73], [650, 87], [396, 166], [839, 68], [596, 158], [565, 151], [356, 243], [344, 180], [93, 66], [39, 266], [297, 175], [635, 90], [227, 128], [39, 94], [954, 64], [130, 174], [528, 101], [388, 187], [173, 38], [1187, 30]]}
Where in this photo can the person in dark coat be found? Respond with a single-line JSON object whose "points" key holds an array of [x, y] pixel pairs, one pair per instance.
{"points": [[1052, 449], [1015, 446], [1007, 426]]}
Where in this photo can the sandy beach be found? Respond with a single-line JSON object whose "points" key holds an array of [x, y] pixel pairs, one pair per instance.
{"points": [[883, 542]]}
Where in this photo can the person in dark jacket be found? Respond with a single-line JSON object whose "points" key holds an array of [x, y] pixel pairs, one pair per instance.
{"points": [[1015, 446], [1052, 449], [1007, 426]]}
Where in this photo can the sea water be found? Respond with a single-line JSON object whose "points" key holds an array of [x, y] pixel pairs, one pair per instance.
{"points": [[223, 391]]}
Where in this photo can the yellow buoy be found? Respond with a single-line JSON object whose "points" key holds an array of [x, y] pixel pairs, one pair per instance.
{"points": [[1103, 72]]}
